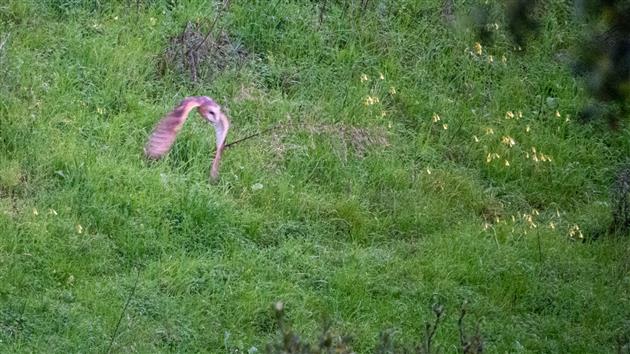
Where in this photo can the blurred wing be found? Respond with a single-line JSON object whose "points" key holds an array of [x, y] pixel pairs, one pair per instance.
{"points": [[214, 171], [165, 132], [221, 128]]}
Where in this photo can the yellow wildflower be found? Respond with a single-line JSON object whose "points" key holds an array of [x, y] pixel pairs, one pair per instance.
{"points": [[574, 231], [369, 100], [477, 48], [508, 140], [491, 156], [530, 220]]}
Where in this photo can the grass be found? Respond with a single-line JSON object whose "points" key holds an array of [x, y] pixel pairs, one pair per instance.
{"points": [[368, 213]]}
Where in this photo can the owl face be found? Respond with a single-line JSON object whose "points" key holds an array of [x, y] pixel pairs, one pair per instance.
{"points": [[210, 110]]}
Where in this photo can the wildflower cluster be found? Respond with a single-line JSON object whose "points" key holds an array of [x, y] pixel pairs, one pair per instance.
{"points": [[529, 219], [52, 213], [508, 145], [575, 232], [370, 100], [373, 99], [508, 140], [478, 52], [511, 115], [537, 156], [525, 222]]}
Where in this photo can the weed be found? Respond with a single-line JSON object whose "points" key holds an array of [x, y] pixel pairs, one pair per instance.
{"points": [[621, 202], [291, 342]]}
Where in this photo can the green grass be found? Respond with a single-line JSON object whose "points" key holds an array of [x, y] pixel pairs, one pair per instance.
{"points": [[364, 229]]}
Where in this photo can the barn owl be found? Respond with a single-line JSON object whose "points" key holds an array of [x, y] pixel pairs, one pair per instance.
{"points": [[164, 134]]}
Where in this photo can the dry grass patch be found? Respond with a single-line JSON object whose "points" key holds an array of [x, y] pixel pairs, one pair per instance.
{"points": [[201, 55]]}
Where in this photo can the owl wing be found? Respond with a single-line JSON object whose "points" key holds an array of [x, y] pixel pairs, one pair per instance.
{"points": [[165, 132]]}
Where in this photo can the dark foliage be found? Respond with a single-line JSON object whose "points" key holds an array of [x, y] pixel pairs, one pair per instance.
{"points": [[480, 16], [327, 343], [201, 55], [602, 57], [522, 22], [621, 202], [291, 343]]}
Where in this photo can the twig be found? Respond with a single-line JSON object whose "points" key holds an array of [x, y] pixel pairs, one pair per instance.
{"points": [[461, 124], [322, 11], [196, 48], [364, 4], [540, 253], [255, 134], [4, 41], [472, 344], [430, 330], [448, 13], [122, 313], [226, 4], [460, 324]]}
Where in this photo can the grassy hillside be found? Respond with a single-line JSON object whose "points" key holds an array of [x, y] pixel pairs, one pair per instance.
{"points": [[411, 166]]}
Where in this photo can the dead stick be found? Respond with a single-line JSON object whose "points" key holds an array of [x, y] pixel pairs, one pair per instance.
{"points": [[4, 41], [216, 19], [254, 135], [122, 313]]}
